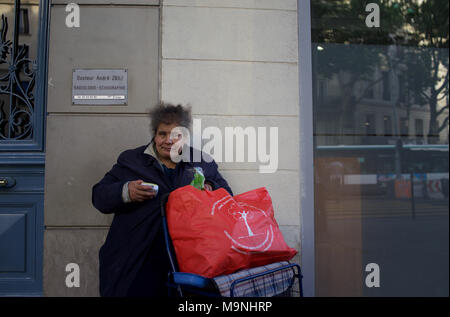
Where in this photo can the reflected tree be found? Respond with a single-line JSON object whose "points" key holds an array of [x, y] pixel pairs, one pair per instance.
{"points": [[427, 60], [411, 44]]}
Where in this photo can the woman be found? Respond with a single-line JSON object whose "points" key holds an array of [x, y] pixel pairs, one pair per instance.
{"points": [[133, 259]]}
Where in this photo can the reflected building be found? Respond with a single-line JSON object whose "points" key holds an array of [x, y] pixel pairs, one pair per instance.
{"points": [[382, 109]]}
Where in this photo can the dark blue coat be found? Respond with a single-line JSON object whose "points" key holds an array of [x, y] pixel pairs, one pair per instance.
{"points": [[133, 260]]}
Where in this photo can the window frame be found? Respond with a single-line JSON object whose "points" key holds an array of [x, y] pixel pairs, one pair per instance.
{"points": [[306, 147]]}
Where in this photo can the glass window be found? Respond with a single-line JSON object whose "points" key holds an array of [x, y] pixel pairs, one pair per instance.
{"points": [[404, 127], [419, 128], [386, 86], [381, 199], [321, 90], [370, 124], [369, 91], [387, 121]]}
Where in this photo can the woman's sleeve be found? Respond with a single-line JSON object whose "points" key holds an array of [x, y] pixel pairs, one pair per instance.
{"points": [[216, 179], [107, 194]]}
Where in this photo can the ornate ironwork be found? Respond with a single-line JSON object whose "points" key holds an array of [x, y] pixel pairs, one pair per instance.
{"points": [[17, 84]]}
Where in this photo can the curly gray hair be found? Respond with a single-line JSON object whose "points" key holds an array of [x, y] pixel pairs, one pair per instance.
{"points": [[168, 113]]}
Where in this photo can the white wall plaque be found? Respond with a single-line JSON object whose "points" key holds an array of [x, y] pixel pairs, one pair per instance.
{"points": [[99, 87]]}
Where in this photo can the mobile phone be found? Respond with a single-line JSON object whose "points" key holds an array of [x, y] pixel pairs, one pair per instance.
{"points": [[153, 186]]}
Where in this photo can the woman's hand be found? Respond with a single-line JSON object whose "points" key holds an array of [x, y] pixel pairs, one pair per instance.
{"points": [[138, 192], [208, 187]]}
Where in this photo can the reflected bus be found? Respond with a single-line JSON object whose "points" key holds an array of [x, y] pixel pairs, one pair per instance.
{"points": [[372, 170]]}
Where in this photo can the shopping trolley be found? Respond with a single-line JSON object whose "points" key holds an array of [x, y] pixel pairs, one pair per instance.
{"points": [[280, 279]]}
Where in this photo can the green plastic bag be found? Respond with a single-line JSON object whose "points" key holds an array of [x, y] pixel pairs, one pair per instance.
{"points": [[199, 179]]}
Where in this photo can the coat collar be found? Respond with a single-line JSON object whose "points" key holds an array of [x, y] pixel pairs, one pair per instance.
{"points": [[152, 156]]}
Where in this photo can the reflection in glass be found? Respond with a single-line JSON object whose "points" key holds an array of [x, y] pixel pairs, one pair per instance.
{"points": [[381, 136]]}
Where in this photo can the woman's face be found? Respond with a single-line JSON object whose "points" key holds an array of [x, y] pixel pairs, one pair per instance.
{"points": [[165, 138]]}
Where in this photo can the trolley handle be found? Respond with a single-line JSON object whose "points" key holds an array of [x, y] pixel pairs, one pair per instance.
{"points": [[166, 233], [164, 199]]}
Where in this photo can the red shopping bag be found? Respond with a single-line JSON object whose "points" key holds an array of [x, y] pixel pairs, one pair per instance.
{"points": [[214, 233]]}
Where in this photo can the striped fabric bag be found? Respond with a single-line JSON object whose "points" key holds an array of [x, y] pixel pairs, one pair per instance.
{"points": [[269, 285]]}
